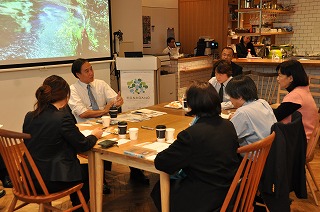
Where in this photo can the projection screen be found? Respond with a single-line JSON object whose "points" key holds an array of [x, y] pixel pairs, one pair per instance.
{"points": [[40, 32]]}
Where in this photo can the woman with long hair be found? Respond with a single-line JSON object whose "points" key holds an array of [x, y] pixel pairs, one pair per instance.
{"points": [[56, 140]]}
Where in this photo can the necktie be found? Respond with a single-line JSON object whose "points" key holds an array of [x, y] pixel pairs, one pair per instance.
{"points": [[93, 102], [221, 93]]}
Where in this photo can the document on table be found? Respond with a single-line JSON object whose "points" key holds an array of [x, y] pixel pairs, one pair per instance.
{"points": [[88, 132], [158, 146]]}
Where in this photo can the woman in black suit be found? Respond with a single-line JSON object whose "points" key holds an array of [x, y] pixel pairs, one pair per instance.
{"points": [[205, 153], [56, 140], [243, 46]]}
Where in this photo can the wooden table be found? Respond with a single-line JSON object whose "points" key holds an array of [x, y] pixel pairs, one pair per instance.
{"points": [[175, 119]]}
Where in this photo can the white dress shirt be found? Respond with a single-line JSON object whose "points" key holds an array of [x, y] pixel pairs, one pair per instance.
{"points": [[226, 103], [79, 101]]}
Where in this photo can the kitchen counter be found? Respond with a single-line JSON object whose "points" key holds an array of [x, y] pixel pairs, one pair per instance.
{"points": [[270, 62]]}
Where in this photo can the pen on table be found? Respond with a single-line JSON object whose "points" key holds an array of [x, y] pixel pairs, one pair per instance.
{"points": [[147, 128]]}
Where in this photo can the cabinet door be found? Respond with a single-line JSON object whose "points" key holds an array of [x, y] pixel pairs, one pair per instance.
{"points": [[167, 90]]}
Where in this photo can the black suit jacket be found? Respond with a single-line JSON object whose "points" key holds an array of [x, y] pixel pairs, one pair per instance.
{"points": [[284, 170], [54, 144], [236, 69], [207, 154]]}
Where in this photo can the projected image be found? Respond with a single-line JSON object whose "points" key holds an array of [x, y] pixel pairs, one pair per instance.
{"points": [[47, 30]]}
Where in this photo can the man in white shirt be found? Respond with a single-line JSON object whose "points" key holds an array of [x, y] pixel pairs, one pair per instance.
{"points": [[223, 74], [80, 102], [92, 98], [171, 44]]}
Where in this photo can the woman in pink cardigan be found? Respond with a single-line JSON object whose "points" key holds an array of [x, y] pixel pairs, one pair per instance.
{"points": [[294, 79]]}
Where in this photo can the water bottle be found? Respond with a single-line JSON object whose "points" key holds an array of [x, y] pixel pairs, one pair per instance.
{"points": [[249, 54]]}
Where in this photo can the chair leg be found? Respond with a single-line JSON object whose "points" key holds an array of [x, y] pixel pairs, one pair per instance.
{"points": [[312, 176], [83, 201], [12, 204], [41, 207], [312, 191]]}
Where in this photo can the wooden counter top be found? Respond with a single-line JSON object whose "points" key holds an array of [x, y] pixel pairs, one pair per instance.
{"points": [[188, 59], [264, 61]]}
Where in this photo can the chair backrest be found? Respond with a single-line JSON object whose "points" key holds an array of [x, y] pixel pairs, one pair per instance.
{"points": [[20, 164], [280, 94], [314, 85], [245, 183], [266, 84], [312, 142]]}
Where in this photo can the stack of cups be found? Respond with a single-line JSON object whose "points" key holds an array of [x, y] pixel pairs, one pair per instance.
{"points": [[113, 111], [160, 132], [184, 104], [122, 129]]}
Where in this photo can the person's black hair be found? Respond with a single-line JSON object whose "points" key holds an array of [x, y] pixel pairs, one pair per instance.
{"points": [[53, 89], [242, 87], [223, 67], [203, 100], [228, 48], [169, 39], [241, 40], [295, 69], [76, 66]]}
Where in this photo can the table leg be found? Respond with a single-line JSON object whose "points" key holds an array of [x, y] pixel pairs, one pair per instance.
{"points": [[99, 181], [165, 191], [91, 167]]}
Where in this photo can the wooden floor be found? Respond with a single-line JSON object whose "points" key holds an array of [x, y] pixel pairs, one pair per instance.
{"points": [[130, 197]]}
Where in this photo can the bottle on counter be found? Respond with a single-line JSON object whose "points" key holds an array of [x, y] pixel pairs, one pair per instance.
{"points": [[249, 55]]}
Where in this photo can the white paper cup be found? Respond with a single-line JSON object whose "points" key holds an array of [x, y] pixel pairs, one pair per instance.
{"points": [[170, 134], [105, 121], [133, 133]]}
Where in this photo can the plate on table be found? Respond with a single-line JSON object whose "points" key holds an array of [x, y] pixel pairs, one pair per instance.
{"points": [[174, 104]]}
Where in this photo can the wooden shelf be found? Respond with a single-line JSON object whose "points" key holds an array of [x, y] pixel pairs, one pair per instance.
{"points": [[255, 10], [264, 33]]}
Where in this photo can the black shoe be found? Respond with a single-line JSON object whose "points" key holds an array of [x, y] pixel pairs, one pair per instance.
{"points": [[139, 177], [2, 193], [106, 189], [7, 182]]}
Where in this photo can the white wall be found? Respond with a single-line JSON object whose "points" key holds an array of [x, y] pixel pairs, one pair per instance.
{"points": [[126, 15], [17, 90], [306, 26], [164, 14]]}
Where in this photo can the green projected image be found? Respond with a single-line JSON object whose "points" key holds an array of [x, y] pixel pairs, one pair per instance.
{"points": [[48, 30]]}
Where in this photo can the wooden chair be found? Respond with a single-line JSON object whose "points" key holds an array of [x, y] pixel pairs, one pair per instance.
{"points": [[21, 167], [280, 94], [314, 84], [266, 84], [309, 157], [245, 183]]}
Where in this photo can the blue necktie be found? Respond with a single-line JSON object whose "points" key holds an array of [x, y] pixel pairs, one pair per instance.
{"points": [[93, 102]]}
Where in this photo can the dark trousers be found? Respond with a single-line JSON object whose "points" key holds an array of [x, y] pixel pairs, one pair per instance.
{"points": [[55, 186], [3, 169]]}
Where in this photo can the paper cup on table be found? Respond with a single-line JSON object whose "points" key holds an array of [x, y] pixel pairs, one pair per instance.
{"points": [[122, 129], [133, 133], [160, 132], [105, 121], [170, 134]]}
